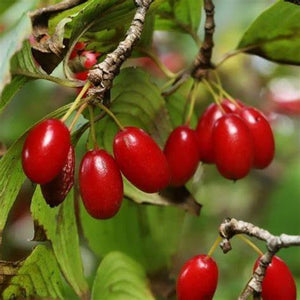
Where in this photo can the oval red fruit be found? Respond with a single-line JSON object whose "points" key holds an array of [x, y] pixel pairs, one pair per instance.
{"points": [[197, 279], [58, 188], [141, 160], [263, 139], [233, 147], [101, 184], [204, 131], [182, 153], [45, 150], [278, 282]]}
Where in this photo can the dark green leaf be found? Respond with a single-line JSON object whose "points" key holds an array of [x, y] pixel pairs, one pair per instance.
{"points": [[60, 226], [38, 276], [137, 230], [275, 34], [120, 278]]}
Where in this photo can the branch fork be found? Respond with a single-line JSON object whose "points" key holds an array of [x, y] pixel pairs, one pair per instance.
{"points": [[230, 227]]}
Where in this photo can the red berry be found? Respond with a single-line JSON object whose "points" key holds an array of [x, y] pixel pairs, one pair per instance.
{"points": [[233, 147], [141, 160], [101, 184], [82, 75], [182, 153], [278, 282], [232, 107], [198, 279], [90, 58], [263, 140], [57, 189], [79, 46], [45, 150], [204, 132]]}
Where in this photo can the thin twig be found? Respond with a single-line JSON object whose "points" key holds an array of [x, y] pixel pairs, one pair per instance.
{"points": [[230, 227], [103, 74]]}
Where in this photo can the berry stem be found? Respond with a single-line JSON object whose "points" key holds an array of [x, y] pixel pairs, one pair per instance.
{"points": [[76, 101], [103, 107], [227, 95], [213, 247], [193, 97], [92, 123], [78, 113], [250, 243], [215, 96]]}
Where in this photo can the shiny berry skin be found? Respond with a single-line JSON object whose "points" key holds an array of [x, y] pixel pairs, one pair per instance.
{"points": [[45, 150], [232, 107], [278, 282], [263, 140], [204, 130], [182, 153], [90, 58], [233, 147], [197, 279], [141, 160], [57, 189], [101, 184], [82, 75]]}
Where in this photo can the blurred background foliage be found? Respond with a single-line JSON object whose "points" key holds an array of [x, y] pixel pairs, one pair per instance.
{"points": [[269, 198]]}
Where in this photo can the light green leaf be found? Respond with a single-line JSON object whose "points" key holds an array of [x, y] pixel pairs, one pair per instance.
{"points": [[60, 226], [275, 34], [179, 15], [137, 230], [12, 176], [38, 276], [10, 43], [120, 278]]}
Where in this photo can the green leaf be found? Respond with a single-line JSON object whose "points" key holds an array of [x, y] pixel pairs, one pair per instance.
{"points": [[179, 15], [275, 34], [10, 43], [59, 224], [38, 276], [120, 278], [12, 176], [137, 230]]}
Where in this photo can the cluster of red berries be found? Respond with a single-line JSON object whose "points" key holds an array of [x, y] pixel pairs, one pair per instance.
{"points": [[235, 141], [198, 280], [82, 60], [236, 138]]}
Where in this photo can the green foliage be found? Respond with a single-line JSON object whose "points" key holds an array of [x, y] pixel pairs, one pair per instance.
{"points": [[136, 101], [38, 276], [10, 43], [275, 34], [59, 224], [179, 15], [139, 231], [120, 278]]}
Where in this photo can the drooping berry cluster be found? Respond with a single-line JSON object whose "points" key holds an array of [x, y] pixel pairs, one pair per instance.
{"points": [[236, 138], [198, 280]]}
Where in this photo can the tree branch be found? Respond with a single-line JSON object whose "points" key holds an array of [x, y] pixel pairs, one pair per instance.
{"points": [[230, 227], [103, 74], [202, 62]]}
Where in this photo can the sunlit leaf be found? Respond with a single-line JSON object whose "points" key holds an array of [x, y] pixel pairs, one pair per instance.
{"points": [[275, 34], [120, 278], [37, 276]]}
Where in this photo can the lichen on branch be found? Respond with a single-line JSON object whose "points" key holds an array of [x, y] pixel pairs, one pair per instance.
{"points": [[231, 227], [103, 74]]}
